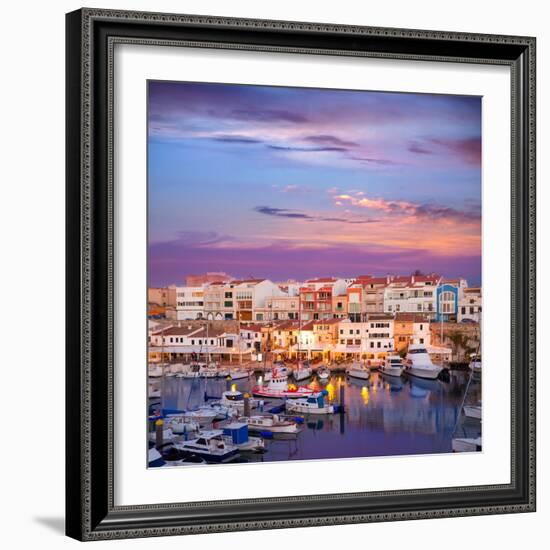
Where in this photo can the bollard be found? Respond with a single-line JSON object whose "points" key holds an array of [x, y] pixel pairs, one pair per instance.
{"points": [[342, 403], [246, 404], [159, 427]]}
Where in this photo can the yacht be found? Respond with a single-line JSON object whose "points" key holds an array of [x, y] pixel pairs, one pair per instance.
{"points": [[418, 363], [153, 393], [235, 399], [473, 411], [211, 446], [182, 424], [323, 373], [392, 365], [278, 387], [302, 372], [314, 404], [236, 433], [282, 371], [358, 370], [239, 374], [271, 423], [155, 371]]}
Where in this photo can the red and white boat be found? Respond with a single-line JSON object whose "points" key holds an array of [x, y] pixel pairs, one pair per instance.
{"points": [[278, 387]]}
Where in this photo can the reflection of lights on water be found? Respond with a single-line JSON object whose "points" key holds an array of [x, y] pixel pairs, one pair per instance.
{"points": [[233, 387], [365, 395], [331, 390]]}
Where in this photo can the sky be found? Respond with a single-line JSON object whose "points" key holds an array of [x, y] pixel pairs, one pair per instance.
{"points": [[292, 183]]}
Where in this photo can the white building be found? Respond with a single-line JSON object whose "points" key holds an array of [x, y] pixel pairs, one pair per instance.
{"points": [[469, 305], [372, 339], [412, 294], [189, 302]]}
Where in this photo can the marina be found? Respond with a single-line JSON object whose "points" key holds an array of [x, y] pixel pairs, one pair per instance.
{"points": [[338, 417]]}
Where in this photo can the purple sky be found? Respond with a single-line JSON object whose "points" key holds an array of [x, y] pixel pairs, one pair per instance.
{"points": [[295, 182]]}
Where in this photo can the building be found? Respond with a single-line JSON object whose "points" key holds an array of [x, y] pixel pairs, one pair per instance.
{"points": [[279, 308], [469, 305], [189, 302], [250, 298], [162, 296], [373, 292], [340, 306], [316, 297], [370, 339], [411, 328], [412, 294], [219, 303], [251, 337], [207, 278]]}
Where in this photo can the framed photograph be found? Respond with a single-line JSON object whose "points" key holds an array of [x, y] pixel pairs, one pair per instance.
{"points": [[300, 274]]}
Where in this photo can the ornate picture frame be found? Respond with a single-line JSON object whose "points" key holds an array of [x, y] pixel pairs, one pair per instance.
{"points": [[90, 365]]}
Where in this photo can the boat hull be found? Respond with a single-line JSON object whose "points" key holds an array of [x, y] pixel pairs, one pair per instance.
{"points": [[428, 374], [291, 394], [361, 375], [392, 371]]}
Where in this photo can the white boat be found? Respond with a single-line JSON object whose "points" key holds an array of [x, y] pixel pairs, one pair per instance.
{"points": [[203, 416], [323, 373], [466, 444], [282, 372], [235, 399], [181, 424], [153, 393], [314, 404], [236, 433], [475, 363], [211, 446], [271, 423], [358, 370], [238, 374], [278, 387], [418, 363], [392, 365], [201, 370], [473, 411], [302, 372], [155, 371]]}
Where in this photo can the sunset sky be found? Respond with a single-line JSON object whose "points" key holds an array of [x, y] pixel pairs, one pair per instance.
{"points": [[282, 183]]}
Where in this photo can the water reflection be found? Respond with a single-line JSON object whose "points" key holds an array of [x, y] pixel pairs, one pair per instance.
{"points": [[384, 415]]}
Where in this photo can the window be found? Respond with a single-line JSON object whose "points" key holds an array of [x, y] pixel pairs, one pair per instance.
{"points": [[372, 344], [471, 309], [192, 342], [358, 342], [377, 344], [421, 327], [421, 340], [228, 303], [419, 307], [229, 294], [463, 310]]}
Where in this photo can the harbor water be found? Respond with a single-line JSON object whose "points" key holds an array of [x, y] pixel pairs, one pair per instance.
{"points": [[384, 416]]}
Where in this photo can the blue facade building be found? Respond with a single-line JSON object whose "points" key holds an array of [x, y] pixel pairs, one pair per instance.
{"points": [[446, 302]]}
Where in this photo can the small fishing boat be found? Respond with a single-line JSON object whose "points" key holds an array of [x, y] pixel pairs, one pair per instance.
{"points": [[239, 374], [323, 373], [278, 387], [358, 370], [155, 371], [473, 411], [236, 433], [282, 372], [235, 399], [272, 423], [302, 372], [314, 404], [181, 424], [153, 393], [418, 363], [392, 365], [211, 446]]}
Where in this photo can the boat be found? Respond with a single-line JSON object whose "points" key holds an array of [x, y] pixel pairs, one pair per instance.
{"points": [[278, 387], [323, 373], [236, 433], [201, 370], [473, 411], [302, 372], [272, 423], [153, 393], [203, 415], [238, 374], [173, 456], [282, 371], [314, 404], [392, 365], [211, 446], [155, 459], [155, 371], [466, 444], [418, 363], [182, 424], [235, 399], [475, 362], [358, 370]]}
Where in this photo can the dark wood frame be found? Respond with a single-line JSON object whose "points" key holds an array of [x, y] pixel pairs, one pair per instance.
{"points": [[90, 510]]}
